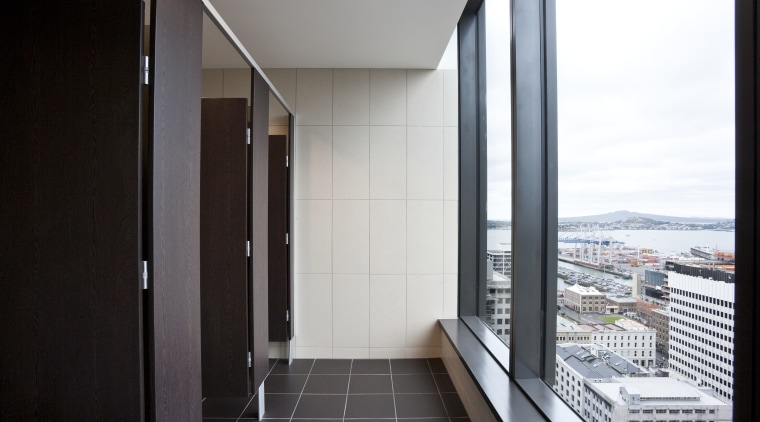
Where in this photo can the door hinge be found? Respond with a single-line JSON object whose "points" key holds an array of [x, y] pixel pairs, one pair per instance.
{"points": [[249, 359], [287, 161], [287, 315], [145, 275], [248, 135], [247, 248], [287, 239], [146, 70]]}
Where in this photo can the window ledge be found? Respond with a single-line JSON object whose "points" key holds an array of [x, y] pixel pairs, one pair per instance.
{"points": [[510, 400]]}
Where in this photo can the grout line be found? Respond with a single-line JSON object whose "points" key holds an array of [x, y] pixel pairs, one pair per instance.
{"points": [[348, 388], [303, 389], [440, 395], [393, 390]]}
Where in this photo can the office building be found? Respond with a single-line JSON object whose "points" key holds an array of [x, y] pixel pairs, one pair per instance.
{"points": [[702, 336], [585, 299]]}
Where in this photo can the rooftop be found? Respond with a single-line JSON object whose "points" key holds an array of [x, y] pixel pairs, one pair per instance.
{"points": [[589, 365], [655, 391]]}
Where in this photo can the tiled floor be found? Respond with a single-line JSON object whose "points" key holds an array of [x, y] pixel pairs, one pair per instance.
{"points": [[342, 390]]}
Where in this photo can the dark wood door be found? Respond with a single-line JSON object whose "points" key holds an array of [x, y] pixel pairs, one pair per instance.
{"points": [[224, 281], [173, 306], [259, 229], [279, 263], [70, 290]]}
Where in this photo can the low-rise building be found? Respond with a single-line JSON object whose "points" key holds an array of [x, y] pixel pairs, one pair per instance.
{"points": [[630, 339], [621, 304], [585, 299], [570, 332], [575, 363], [661, 323], [650, 399]]}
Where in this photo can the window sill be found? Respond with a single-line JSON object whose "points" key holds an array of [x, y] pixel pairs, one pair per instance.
{"points": [[486, 360]]}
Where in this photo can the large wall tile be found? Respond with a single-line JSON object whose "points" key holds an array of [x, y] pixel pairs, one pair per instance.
{"points": [[424, 306], [450, 296], [450, 98], [314, 352], [450, 163], [237, 83], [424, 237], [450, 237], [423, 352], [351, 353], [313, 229], [313, 162], [424, 163], [424, 98], [350, 162], [387, 311], [387, 156], [284, 80], [314, 96], [387, 237], [351, 237], [213, 83], [313, 314], [350, 310], [387, 353], [387, 97], [351, 97]]}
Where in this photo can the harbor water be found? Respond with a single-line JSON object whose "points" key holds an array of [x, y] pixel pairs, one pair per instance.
{"points": [[664, 241]]}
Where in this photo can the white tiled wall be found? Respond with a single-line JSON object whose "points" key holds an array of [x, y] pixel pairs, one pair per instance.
{"points": [[375, 209]]}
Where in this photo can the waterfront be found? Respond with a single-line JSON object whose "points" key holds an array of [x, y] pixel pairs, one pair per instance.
{"points": [[665, 241]]}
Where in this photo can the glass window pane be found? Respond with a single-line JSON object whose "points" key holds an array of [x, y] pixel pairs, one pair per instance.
{"points": [[499, 187], [646, 125]]}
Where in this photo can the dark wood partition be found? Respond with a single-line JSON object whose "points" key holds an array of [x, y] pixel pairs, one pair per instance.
{"points": [[279, 262], [259, 228], [70, 295], [174, 294], [224, 272]]}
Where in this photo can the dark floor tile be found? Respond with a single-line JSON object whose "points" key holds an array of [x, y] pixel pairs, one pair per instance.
{"points": [[370, 384], [409, 366], [375, 420], [320, 406], [443, 381], [299, 366], [419, 406], [437, 366], [424, 420], [284, 384], [370, 406], [414, 383], [332, 366], [453, 405], [371, 366], [317, 420], [275, 406], [219, 419], [272, 363], [326, 384], [459, 419], [232, 407]]}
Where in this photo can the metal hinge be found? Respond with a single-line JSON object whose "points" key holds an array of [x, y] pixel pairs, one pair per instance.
{"points": [[146, 70], [287, 161], [248, 135], [247, 248], [249, 359], [145, 275], [287, 239], [287, 315]]}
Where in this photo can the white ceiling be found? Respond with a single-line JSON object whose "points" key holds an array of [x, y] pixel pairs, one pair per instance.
{"points": [[405, 34]]}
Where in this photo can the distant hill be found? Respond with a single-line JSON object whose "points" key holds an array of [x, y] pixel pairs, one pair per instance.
{"points": [[612, 217]]}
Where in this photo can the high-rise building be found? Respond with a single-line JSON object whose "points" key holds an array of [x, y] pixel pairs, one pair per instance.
{"points": [[701, 344]]}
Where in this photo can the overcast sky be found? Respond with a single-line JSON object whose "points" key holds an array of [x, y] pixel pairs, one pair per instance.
{"points": [[645, 105]]}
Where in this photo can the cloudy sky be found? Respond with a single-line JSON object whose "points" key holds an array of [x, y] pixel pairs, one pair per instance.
{"points": [[645, 104]]}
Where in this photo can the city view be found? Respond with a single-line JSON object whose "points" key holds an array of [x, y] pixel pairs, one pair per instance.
{"points": [[645, 298]]}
